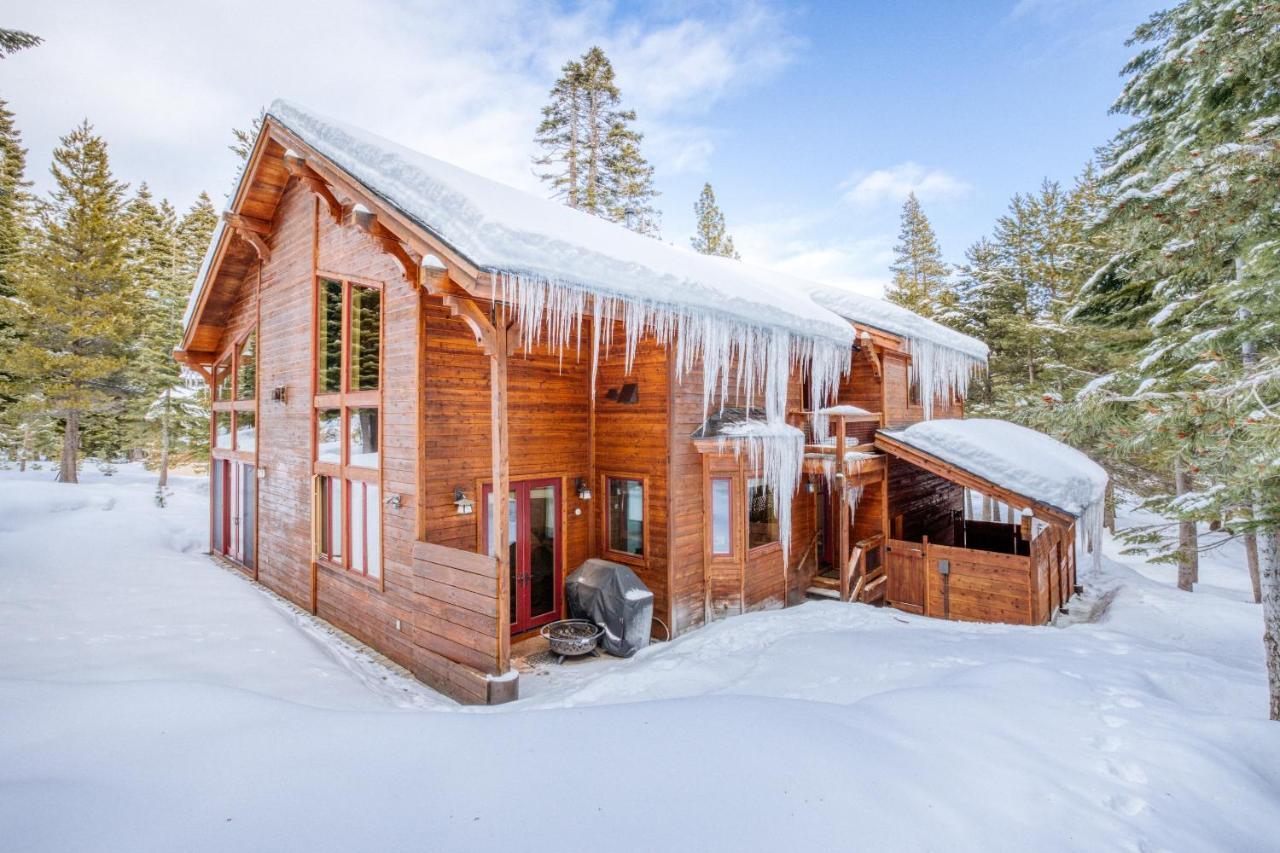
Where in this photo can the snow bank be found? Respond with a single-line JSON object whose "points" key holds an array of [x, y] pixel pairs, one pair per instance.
{"points": [[153, 701], [1021, 460]]}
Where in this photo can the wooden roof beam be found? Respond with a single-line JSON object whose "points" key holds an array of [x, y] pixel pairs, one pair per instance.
{"points": [[412, 234], [249, 230]]}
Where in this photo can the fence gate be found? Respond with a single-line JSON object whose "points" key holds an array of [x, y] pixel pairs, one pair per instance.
{"points": [[904, 565]]}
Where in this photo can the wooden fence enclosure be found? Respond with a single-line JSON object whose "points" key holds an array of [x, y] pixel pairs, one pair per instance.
{"points": [[971, 585]]}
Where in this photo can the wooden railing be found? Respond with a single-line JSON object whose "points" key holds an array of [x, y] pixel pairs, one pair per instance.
{"points": [[855, 578], [852, 432]]}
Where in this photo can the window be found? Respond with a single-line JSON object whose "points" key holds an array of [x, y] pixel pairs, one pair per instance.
{"points": [[329, 338], [246, 431], [347, 458], [246, 372], [222, 430], [624, 515], [721, 516], [235, 414], [329, 435], [366, 316], [362, 432], [762, 518]]}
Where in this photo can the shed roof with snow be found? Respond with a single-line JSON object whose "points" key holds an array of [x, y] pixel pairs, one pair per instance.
{"points": [[1005, 460]]}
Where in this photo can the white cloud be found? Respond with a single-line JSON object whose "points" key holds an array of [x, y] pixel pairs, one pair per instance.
{"points": [[795, 246], [164, 82], [870, 189]]}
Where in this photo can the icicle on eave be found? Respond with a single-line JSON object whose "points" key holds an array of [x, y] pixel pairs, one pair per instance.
{"points": [[941, 372], [549, 312], [775, 452]]}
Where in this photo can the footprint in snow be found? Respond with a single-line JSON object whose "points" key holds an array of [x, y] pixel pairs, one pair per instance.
{"points": [[1126, 805], [1127, 771]]}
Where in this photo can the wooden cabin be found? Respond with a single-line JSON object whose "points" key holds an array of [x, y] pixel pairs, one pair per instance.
{"points": [[378, 374]]}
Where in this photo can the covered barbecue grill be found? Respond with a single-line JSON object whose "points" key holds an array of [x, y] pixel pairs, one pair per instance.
{"points": [[613, 597]]}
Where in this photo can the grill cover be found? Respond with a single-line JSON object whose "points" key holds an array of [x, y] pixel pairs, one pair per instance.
{"points": [[610, 595]]}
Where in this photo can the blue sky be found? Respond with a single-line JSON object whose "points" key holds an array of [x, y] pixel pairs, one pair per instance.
{"points": [[811, 120]]}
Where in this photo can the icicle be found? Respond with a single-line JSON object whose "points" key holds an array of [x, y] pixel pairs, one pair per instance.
{"points": [[548, 312], [775, 452], [940, 371]]}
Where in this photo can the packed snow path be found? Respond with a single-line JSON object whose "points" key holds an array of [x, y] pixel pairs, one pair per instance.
{"points": [[150, 700]]}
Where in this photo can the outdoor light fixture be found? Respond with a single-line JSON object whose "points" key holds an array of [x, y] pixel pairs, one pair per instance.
{"points": [[462, 502], [584, 493]]}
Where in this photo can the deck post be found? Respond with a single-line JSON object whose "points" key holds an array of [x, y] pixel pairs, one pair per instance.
{"points": [[501, 487]]}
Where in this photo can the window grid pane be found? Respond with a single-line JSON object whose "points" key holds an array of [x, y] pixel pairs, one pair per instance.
{"points": [[329, 338], [222, 430], [362, 433], [721, 517], [246, 431], [329, 435], [365, 334], [246, 380], [762, 520]]}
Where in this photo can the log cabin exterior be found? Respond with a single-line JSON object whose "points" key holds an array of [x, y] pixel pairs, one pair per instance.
{"points": [[372, 392]]}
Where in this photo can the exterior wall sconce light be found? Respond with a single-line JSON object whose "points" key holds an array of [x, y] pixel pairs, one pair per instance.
{"points": [[462, 502], [584, 493]]}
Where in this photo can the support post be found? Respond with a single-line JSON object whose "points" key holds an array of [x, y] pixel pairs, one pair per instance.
{"points": [[501, 486]]}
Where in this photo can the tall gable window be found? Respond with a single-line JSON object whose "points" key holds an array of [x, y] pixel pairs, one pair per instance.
{"points": [[348, 419]]}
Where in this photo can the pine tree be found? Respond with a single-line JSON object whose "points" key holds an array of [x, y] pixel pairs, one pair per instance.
{"points": [[12, 41], [711, 237], [919, 274], [15, 214], [73, 310], [244, 139], [1196, 231], [591, 152]]}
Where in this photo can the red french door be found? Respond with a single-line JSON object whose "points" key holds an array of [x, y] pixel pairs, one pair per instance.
{"points": [[233, 508], [533, 540]]}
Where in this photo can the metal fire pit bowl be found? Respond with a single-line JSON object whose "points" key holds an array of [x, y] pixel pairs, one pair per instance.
{"points": [[571, 638]]}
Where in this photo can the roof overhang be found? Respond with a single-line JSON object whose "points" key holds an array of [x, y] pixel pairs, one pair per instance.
{"points": [[957, 474]]}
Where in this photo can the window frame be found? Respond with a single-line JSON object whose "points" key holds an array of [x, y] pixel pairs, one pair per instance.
{"points": [[728, 479], [230, 357], [605, 545], [344, 401]]}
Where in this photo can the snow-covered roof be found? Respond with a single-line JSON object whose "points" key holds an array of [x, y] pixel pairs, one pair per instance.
{"points": [[896, 320], [502, 229], [1020, 460]]}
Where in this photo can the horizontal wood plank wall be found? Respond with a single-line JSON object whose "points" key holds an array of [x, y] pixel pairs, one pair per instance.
{"points": [[924, 500], [981, 586], [631, 438], [455, 618], [862, 386], [688, 594], [547, 411], [897, 412]]}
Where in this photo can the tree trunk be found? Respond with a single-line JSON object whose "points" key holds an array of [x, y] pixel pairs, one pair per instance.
{"points": [[1271, 614], [1251, 557], [1109, 509], [70, 448], [164, 442], [25, 452], [1187, 557]]}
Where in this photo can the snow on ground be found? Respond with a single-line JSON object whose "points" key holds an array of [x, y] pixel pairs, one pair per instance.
{"points": [[151, 700]]}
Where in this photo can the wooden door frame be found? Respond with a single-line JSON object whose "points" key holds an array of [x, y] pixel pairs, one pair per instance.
{"points": [[520, 593]]}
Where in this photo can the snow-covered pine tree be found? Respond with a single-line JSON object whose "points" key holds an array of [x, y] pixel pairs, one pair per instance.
{"points": [[711, 237], [591, 153], [12, 41], [1196, 183], [73, 309], [15, 215], [919, 273]]}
